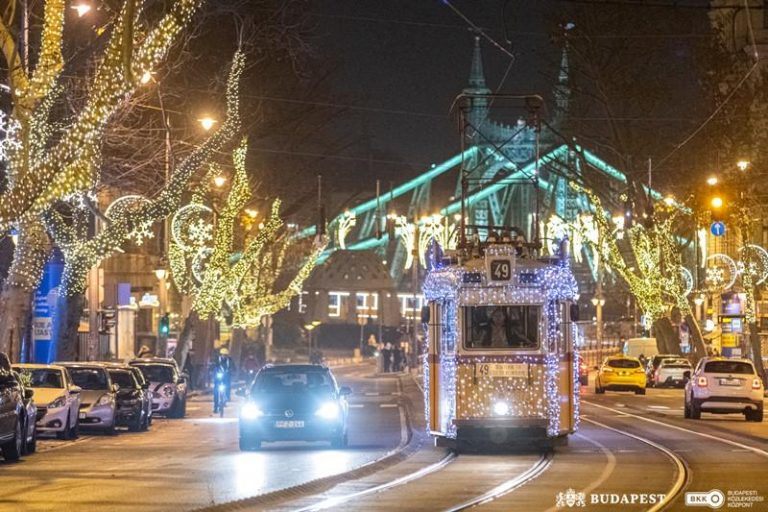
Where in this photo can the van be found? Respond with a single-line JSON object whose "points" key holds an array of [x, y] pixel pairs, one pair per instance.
{"points": [[633, 347]]}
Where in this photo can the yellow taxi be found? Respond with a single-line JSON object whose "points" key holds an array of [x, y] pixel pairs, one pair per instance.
{"points": [[620, 373]]}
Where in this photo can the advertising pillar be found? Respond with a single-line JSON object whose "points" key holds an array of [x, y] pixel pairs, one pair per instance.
{"points": [[45, 314]]}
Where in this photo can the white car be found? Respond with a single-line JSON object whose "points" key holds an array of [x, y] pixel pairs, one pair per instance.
{"points": [[167, 384], [724, 386], [56, 396], [672, 372]]}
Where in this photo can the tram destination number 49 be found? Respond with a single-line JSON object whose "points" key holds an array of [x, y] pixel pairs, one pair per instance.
{"points": [[500, 270]]}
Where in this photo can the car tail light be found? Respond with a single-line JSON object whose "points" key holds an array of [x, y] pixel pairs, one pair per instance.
{"points": [[639, 370], [756, 383], [701, 382]]}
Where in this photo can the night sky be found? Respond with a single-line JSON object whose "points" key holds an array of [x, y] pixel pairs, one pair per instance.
{"points": [[404, 62]]}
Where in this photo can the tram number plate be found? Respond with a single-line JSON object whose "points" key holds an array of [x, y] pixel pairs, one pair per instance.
{"points": [[501, 270], [502, 370]]}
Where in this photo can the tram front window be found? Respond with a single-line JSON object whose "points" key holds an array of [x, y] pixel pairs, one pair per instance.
{"points": [[501, 327]]}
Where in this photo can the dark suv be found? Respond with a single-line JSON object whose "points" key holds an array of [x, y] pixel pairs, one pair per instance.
{"points": [[13, 412], [294, 403], [134, 400]]}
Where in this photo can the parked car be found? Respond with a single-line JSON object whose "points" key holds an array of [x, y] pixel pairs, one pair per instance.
{"points": [[653, 364], [98, 395], [724, 386], [620, 373], [133, 401], [167, 384], [30, 423], [13, 412], [57, 398], [294, 403], [672, 372]]}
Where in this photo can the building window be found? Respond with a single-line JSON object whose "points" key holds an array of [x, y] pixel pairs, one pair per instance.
{"points": [[302, 302], [336, 302], [367, 305], [410, 305]]}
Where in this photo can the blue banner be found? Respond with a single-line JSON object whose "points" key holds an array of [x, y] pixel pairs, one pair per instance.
{"points": [[44, 324]]}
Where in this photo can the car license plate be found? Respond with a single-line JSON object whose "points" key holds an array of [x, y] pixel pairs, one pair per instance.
{"points": [[81, 416], [289, 424], [730, 382]]}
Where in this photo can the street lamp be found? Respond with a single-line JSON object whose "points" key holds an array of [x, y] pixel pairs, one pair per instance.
{"points": [[310, 327], [598, 301], [712, 181], [82, 9], [146, 77], [219, 181], [742, 165], [207, 122], [716, 202], [160, 273]]}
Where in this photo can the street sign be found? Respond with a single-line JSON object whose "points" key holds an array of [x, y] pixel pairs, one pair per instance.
{"points": [[717, 228]]}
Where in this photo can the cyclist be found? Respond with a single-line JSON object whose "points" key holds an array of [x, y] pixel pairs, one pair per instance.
{"points": [[222, 380]]}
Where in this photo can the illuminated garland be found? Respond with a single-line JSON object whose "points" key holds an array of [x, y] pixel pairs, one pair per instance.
{"points": [[71, 164], [346, 222], [82, 255]]}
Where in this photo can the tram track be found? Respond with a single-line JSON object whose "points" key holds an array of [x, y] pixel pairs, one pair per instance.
{"points": [[541, 466], [685, 473]]}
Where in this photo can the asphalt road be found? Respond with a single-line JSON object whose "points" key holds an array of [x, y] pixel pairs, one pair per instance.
{"points": [[627, 445], [195, 462]]}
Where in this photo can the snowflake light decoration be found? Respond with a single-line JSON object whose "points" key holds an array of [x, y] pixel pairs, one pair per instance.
{"points": [[200, 232]]}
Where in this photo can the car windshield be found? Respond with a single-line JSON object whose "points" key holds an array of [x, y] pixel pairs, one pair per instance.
{"points": [[501, 327], [43, 377], [623, 363], [729, 367], [122, 378], [89, 378], [293, 381], [156, 372], [675, 363]]}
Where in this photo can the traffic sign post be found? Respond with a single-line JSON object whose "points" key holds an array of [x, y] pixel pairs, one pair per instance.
{"points": [[717, 228]]}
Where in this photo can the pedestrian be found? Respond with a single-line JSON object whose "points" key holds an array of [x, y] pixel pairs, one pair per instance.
{"points": [[397, 359], [189, 369], [386, 354], [144, 351]]}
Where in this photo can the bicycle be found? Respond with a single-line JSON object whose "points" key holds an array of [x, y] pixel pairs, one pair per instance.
{"points": [[219, 395]]}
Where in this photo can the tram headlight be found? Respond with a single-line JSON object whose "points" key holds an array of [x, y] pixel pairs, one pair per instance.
{"points": [[501, 408]]}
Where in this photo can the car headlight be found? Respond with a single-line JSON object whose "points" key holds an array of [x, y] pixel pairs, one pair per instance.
{"points": [[501, 408], [105, 399], [59, 402], [328, 411], [251, 411], [168, 391]]}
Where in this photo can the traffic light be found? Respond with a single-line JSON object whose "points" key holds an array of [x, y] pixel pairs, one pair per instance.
{"points": [[165, 325]]}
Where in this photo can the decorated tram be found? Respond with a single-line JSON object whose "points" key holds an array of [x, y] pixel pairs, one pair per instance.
{"points": [[501, 357]]}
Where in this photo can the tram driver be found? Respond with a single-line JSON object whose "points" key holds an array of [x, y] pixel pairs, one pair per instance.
{"points": [[502, 327]]}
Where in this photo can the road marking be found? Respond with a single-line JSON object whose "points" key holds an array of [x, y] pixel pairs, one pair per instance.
{"points": [[356, 406], [386, 406], [758, 451], [681, 472], [607, 470], [658, 407], [371, 394]]}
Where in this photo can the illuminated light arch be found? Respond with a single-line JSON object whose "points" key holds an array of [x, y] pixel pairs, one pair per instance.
{"points": [[200, 263], [759, 274], [184, 219], [688, 279], [721, 272], [124, 204]]}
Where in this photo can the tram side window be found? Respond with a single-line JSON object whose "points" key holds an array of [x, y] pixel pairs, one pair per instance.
{"points": [[501, 327], [448, 322]]}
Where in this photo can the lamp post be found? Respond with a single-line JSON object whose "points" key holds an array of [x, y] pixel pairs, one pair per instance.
{"points": [[310, 327], [599, 301]]}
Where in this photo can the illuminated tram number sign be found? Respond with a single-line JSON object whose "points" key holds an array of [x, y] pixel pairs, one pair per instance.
{"points": [[500, 270]]}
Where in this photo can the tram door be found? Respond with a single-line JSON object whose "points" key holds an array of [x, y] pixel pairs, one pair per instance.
{"points": [[433, 362], [566, 362]]}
